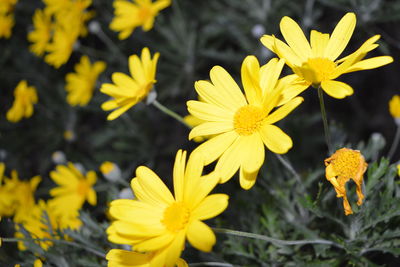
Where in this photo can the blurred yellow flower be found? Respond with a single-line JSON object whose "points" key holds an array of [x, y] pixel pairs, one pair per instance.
{"points": [[316, 63], [398, 169], [6, 24], [7, 5], [125, 258], [159, 222], [41, 35], [394, 107], [242, 123], [128, 91], [73, 190], [129, 15], [25, 96], [61, 46], [37, 263], [343, 165], [80, 85]]}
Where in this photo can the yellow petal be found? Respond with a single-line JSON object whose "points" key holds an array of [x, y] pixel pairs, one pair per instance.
{"points": [[231, 159], [275, 139], [319, 42], [270, 73], [370, 63], [201, 236], [210, 207], [195, 192], [155, 243], [295, 38], [118, 112], [250, 73], [210, 128], [340, 36], [119, 257], [281, 49], [179, 174], [253, 153], [212, 95], [209, 112], [292, 86], [336, 89], [247, 179], [143, 196], [174, 250], [283, 111]]}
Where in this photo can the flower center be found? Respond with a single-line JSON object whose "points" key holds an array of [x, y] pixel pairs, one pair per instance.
{"points": [[347, 163], [144, 13], [83, 188], [317, 70], [247, 120], [175, 217]]}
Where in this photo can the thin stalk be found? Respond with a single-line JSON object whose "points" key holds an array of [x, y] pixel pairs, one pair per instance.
{"points": [[70, 243], [395, 143], [274, 240], [325, 120], [170, 113]]}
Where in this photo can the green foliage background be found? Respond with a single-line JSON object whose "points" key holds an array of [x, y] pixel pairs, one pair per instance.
{"points": [[192, 37]]}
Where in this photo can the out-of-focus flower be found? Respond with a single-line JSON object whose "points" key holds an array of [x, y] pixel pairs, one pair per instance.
{"points": [[110, 171], [37, 263], [160, 222], [24, 98], [73, 190], [6, 24], [316, 63], [80, 84], [129, 15], [128, 91], [69, 135], [394, 108], [58, 157], [125, 258], [41, 35], [60, 48], [242, 124], [7, 5], [343, 165]]}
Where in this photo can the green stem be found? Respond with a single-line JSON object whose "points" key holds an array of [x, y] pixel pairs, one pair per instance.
{"points": [[274, 240], [325, 120], [170, 113], [395, 143], [69, 243]]}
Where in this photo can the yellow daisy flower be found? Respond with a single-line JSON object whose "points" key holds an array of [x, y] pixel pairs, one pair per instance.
{"points": [[125, 258], [80, 85], [343, 165], [394, 107], [25, 96], [60, 48], [6, 24], [73, 190], [129, 15], [128, 91], [159, 222], [242, 124], [41, 34], [316, 63]]}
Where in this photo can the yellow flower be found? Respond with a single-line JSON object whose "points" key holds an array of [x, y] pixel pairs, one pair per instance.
{"points": [[73, 190], [41, 34], [317, 64], [130, 15], [394, 107], [343, 165], [242, 124], [80, 85], [25, 97], [6, 24], [125, 258], [128, 91], [7, 5], [17, 197], [398, 169], [37, 263], [159, 222]]}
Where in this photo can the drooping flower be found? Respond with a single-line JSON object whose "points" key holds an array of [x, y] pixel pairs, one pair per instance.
{"points": [[125, 258], [160, 222], [41, 35], [25, 96], [316, 63], [80, 84], [242, 123], [394, 108], [343, 165], [73, 189], [128, 91], [130, 15]]}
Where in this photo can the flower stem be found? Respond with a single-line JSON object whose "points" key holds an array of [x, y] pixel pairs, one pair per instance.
{"points": [[170, 113], [395, 143], [274, 240], [325, 120]]}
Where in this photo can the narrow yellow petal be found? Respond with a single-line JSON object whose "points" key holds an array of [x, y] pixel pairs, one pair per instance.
{"points": [[210, 207], [253, 153], [250, 73], [295, 38], [282, 50], [119, 257], [209, 112], [174, 250], [337, 89], [195, 192], [275, 139], [231, 159], [155, 243], [212, 95], [118, 112], [319, 42], [370, 63], [210, 128], [201, 236], [270, 73], [179, 174], [247, 179], [284, 110]]}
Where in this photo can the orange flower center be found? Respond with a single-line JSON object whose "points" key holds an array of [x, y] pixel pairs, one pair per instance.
{"points": [[144, 13], [317, 70], [347, 163], [248, 120], [176, 216]]}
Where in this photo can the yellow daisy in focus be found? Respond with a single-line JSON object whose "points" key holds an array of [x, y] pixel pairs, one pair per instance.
{"points": [[160, 222], [73, 190], [128, 91], [6, 24], [316, 63], [80, 85], [242, 124], [343, 165], [41, 35], [25, 96], [129, 15], [125, 258], [394, 108]]}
